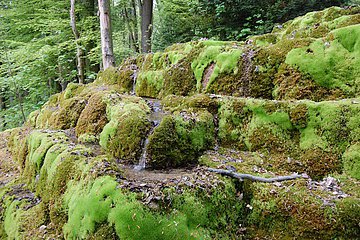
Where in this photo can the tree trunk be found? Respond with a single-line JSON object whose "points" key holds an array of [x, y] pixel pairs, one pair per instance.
{"points": [[136, 31], [146, 25], [133, 40], [106, 34], [79, 51]]}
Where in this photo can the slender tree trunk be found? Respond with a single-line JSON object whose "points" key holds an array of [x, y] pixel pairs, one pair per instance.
{"points": [[132, 31], [106, 34], [2, 103], [79, 51], [136, 31], [146, 25], [2, 107]]}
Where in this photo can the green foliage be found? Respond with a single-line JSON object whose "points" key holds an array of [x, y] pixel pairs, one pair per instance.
{"points": [[177, 21], [236, 19], [37, 52]]}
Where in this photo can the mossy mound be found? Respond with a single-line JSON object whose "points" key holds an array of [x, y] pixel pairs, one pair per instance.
{"points": [[283, 212], [124, 134], [93, 118], [180, 139], [313, 134], [288, 63], [64, 189]]}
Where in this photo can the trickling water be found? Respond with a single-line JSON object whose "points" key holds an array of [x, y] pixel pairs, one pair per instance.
{"points": [[134, 77], [216, 123], [155, 117]]}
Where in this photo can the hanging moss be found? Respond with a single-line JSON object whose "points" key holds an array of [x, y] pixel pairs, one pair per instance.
{"points": [[38, 144]]}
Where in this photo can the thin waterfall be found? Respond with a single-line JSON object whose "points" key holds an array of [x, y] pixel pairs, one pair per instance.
{"points": [[156, 115]]}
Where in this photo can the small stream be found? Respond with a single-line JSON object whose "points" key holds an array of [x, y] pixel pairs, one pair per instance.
{"points": [[155, 117]]}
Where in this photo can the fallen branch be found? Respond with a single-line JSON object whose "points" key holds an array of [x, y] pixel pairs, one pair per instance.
{"points": [[242, 176]]}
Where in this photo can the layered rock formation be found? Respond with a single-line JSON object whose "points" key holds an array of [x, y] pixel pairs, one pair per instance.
{"points": [[276, 104]]}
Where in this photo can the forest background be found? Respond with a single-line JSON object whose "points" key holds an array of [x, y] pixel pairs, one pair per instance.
{"points": [[40, 49]]}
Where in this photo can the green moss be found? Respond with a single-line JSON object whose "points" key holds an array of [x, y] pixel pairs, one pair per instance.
{"points": [[68, 114], [318, 163], [325, 127], [38, 145], [122, 77], [122, 137], [288, 213], [95, 203], [219, 210], [231, 116], [12, 225], [72, 90], [199, 65], [351, 159], [93, 118], [269, 131], [348, 218], [31, 119], [18, 145], [179, 79], [354, 123], [180, 139], [332, 64], [226, 63], [149, 83]]}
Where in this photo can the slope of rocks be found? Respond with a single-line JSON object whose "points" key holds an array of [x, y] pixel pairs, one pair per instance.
{"points": [[281, 103]]}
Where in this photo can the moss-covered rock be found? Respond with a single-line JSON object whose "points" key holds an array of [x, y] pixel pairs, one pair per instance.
{"points": [[93, 118], [126, 130], [180, 139], [351, 160], [122, 77], [283, 212]]}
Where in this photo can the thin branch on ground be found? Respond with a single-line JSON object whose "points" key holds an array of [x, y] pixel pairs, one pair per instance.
{"points": [[242, 176]]}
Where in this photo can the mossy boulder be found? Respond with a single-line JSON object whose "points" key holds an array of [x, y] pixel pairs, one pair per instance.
{"points": [[312, 135], [124, 134], [93, 118], [180, 139], [279, 65], [284, 212], [122, 77]]}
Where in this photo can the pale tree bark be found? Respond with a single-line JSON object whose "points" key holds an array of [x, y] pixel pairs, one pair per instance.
{"points": [[106, 34], [80, 56], [146, 25], [242, 176]]}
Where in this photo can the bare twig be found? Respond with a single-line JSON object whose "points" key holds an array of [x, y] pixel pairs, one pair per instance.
{"points": [[242, 176]]}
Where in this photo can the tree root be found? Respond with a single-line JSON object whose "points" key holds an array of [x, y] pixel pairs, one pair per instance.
{"points": [[242, 176]]}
